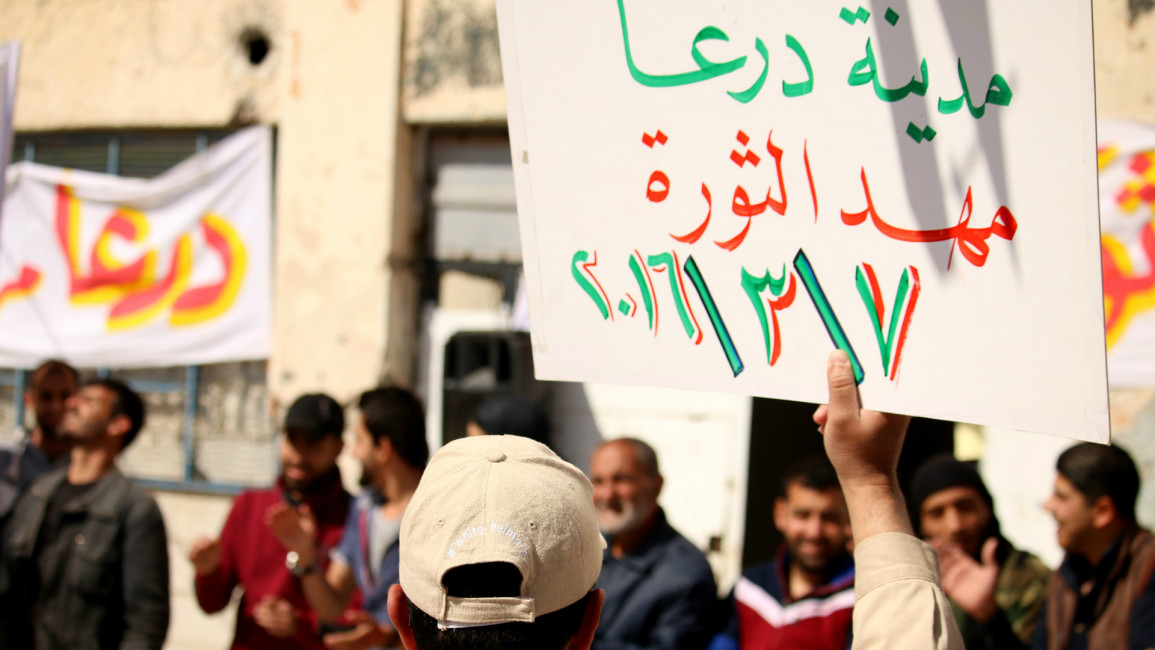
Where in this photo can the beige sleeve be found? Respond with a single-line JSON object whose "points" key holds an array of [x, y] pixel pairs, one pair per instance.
{"points": [[900, 603]]}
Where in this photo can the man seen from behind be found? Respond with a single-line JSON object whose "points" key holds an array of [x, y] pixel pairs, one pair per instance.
{"points": [[499, 551]]}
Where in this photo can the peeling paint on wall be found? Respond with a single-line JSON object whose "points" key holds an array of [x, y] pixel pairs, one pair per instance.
{"points": [[1137, 8], [456, 42]]}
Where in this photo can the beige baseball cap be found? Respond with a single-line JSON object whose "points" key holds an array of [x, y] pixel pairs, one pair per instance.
{"points": [[500, 499]]}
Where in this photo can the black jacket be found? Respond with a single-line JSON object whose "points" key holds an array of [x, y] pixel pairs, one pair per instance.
{"points": [[659, 596], [112, 551]]}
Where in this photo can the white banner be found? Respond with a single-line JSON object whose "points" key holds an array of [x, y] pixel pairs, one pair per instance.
{"points": [[1127, 199], [104, 271], [714, 194]]}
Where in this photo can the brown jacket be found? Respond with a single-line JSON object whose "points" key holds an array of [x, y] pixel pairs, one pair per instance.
{"points": [[1117, 586]]}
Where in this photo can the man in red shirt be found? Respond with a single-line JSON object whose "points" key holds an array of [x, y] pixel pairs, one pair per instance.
{"points": [[274, 612]]}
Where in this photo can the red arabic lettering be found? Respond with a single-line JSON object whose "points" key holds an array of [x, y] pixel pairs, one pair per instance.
{"points": [[972, 242], [204, 303], [810, 177], [697, 233], [658, 195], [23, 286], [1127, 293], [741, 205], [135, 295]]}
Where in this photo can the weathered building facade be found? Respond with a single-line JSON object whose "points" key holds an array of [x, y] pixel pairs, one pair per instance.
{"points": [[396, 252]]}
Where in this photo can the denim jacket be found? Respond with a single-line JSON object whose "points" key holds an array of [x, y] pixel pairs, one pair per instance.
{"points": [[114, 591]]}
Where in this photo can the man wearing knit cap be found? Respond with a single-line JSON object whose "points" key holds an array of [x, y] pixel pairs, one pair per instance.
{"points": [[996, 590], [499, 549]]}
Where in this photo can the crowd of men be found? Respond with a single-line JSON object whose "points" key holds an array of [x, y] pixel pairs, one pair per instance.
{"points": [[495, 542]]}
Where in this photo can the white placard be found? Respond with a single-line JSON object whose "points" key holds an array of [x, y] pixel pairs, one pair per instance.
{"points": [[713, 194]]}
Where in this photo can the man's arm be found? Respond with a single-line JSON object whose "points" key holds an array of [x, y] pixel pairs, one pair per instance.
{"points": [[367, 633], [213, 561], [900, 601], [863, 446], [328, 592], [146, 584]]}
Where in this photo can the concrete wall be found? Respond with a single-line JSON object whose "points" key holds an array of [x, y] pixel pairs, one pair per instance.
{"points": [[1124, 57], [330, 84], [452, 63], [335, 196], [135, 63]]}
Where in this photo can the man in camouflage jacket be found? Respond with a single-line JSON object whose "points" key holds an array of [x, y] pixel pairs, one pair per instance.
{"points": [[996, 590]]}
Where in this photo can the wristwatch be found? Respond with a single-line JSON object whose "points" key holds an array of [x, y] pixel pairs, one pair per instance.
{"points": [[293, 564]]}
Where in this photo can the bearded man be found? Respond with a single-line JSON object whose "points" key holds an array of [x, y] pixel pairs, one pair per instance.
{"points": [[660, 591], [273, 613], [804, 598]]}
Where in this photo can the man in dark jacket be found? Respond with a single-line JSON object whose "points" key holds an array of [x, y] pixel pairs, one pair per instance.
{"points": [[85, 557], [1103, 596], [660, 591]]}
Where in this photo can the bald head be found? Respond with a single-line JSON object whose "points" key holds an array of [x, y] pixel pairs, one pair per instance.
{"points": [[643, 454]]}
